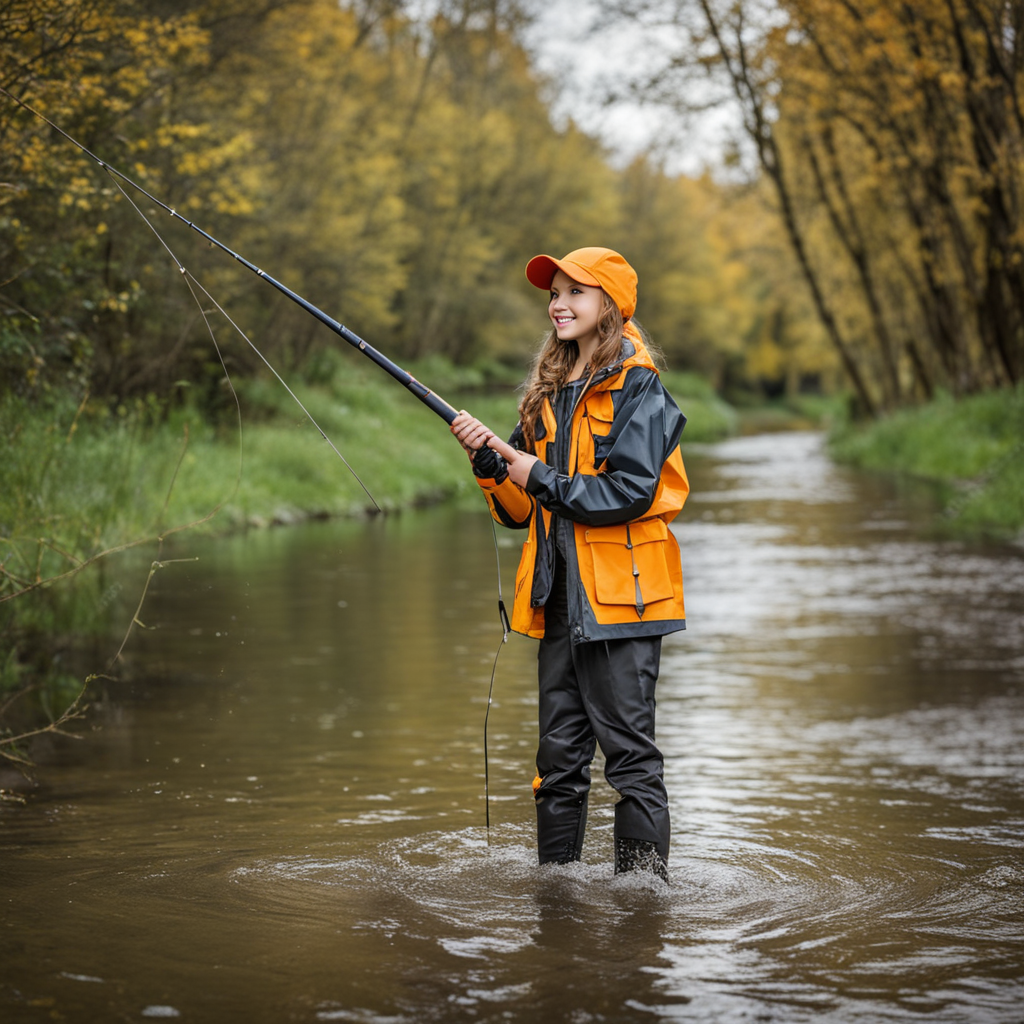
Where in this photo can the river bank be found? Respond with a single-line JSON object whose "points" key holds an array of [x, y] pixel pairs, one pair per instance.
{"points": [[81, 477], [971, 450]]}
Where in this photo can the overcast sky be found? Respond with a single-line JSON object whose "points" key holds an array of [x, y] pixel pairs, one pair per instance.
{"points": [[583, 62]]}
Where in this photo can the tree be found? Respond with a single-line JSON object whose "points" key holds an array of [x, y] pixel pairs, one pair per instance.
{"points": [[77, 294], [891, 134]]}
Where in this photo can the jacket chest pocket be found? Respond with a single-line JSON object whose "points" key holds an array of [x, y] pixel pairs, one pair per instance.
{"points": [[630, 562], [596, 429]]}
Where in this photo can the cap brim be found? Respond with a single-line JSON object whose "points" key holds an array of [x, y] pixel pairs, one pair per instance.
{"points": [[541, 270]]}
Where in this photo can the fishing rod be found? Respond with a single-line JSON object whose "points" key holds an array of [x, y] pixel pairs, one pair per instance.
{"points": [[421, 391]]}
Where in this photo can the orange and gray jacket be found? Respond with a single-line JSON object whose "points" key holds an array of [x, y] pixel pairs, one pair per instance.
{"points": [[623, 484]]}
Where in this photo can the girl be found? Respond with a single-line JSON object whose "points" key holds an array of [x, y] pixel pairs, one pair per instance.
{"points": [[594, 473]]}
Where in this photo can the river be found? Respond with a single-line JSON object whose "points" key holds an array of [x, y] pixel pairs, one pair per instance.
{"points": [[278, 813]]}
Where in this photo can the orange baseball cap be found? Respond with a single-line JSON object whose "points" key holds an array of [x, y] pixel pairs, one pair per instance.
{"points": [[593, 265]]}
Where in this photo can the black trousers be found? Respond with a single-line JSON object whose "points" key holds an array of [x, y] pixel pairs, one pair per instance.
{"points": [[600, 692]]}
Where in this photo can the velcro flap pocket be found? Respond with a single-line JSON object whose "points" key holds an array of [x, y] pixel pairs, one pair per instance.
{"points": [[614, 561]]}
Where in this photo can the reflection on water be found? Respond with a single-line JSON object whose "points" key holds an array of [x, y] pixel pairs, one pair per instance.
{"points": [[281, 818]]}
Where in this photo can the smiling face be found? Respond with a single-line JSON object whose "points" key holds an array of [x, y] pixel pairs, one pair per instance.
{"points": [[575, 310]]}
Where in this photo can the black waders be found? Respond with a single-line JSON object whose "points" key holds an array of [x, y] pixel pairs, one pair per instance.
{"points": [[600, 692]]}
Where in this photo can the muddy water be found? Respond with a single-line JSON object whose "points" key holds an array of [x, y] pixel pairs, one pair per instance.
{"points": [[282, 817]]}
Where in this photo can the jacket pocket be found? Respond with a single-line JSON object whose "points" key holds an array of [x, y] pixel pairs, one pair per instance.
{"points": [[629, 554], [600, 429]]}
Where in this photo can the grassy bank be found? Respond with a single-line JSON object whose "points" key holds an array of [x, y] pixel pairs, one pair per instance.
{"points": [[78, 479], [973, 448]]}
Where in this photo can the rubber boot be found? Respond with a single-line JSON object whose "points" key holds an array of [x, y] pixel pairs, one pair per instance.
{"points": [[561, 825], [638, 855]]}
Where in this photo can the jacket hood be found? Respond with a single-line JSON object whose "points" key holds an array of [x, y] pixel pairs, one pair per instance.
{"points": [[634, 353]]}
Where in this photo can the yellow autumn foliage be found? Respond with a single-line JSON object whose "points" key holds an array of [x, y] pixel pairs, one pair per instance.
{"points": [[890, 138], [397, 172]]}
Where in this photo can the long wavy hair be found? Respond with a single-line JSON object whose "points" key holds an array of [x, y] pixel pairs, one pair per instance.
{"points": [[555, 361]]}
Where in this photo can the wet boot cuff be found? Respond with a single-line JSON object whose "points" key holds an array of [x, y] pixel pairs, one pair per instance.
{"points": [[638, 855]]}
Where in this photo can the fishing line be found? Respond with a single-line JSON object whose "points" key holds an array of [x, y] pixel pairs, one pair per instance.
{"points": [[505, 630], [429, 398], [191, 280], [284, 384], [202, 312]]}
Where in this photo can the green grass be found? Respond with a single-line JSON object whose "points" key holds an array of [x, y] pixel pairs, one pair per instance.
{"points": [[77, 481], [86, 484], [974, 447]]}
